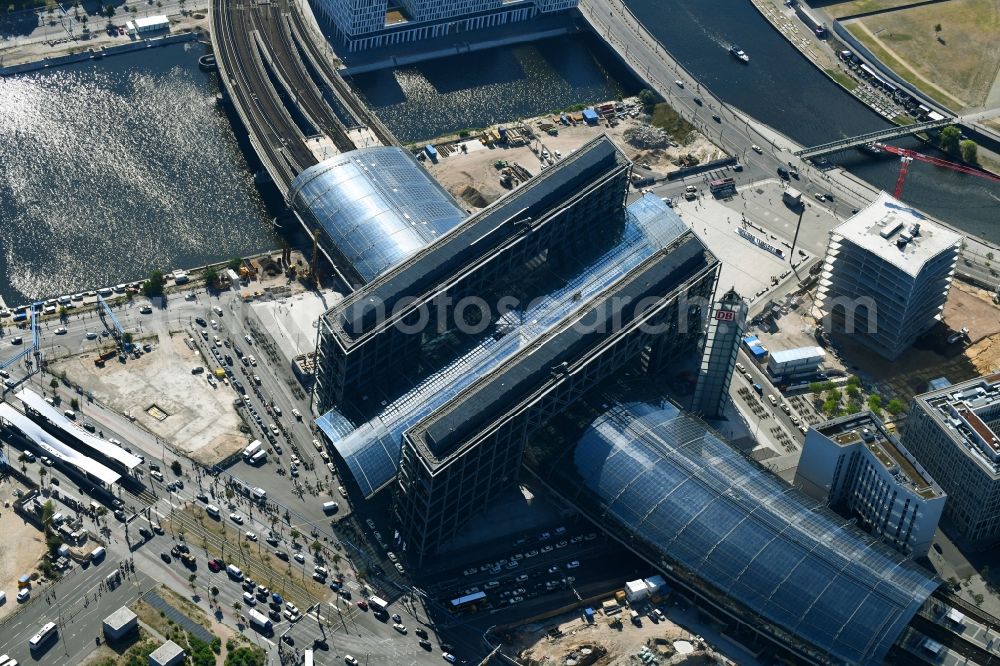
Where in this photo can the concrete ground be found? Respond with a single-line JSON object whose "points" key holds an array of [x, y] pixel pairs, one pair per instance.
{"points": [[472, 178], [200, 421], [21, 547], [747, 267], [291, 321]]}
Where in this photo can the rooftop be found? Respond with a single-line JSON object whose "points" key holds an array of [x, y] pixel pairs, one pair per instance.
{"points": [[797, 354], [165, 653], [357, 315], [882, 225], [970, 413], [120, 618], [867, 430]]}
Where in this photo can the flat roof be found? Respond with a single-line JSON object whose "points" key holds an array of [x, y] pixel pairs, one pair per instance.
{"points": [[55, 448], [356, 315], [865, 429], [797, 354], [58, 419], [494, 394], [867, 230], [166, 652], [965, 411], [150, 21], [120, 618]]}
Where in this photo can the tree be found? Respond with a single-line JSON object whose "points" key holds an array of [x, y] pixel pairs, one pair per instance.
{"points": [[316, 547], [54, 383], [831, 407], [648, 99], [155, 284], [853, 391], [109, 10], [74, 404], [875, 403], [245, 655], [950, 137], [127, 337], [176, 468], [833, 394], [234, 264], [211, 276], [937, 27], [969, 151], [295, 534], [895, 407], [237, 606], [816, 387]]}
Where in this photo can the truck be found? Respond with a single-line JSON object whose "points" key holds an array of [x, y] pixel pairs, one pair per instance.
{"points": [[252, 449], [260, 622], [378, 604]]}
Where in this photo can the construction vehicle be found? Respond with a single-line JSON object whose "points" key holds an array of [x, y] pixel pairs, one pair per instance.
{"points": [[906, 156]]}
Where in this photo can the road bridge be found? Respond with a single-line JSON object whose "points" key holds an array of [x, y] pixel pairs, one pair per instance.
{"points": [[871, 137]]}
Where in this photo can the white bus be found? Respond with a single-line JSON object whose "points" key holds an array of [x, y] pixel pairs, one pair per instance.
{"points": [[39, 639]]}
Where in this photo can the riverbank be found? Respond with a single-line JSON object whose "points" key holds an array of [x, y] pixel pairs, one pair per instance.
{"points": [[27, 54]]}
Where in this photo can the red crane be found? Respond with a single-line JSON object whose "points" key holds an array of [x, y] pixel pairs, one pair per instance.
{"points": [[906, 156]]}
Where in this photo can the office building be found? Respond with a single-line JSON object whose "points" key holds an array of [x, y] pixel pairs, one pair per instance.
{"points": [[886, 276], [369, 24], [862, 471], [568, 285], [791, 364], [765, 559], [955, 434], [725, 329]]}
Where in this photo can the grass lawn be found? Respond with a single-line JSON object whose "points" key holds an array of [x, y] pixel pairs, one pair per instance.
{"points": [[671, 122], [962, 58], [842, 79], [860, 6]]}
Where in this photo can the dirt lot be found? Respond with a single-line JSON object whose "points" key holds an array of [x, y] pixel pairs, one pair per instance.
{"points": [[199, 420], [960, 60], [599, 644], [20, 549], [473, 179]]}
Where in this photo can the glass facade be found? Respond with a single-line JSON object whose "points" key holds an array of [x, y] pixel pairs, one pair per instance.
{"points": [[661, 476], [372, 450], [375, 206]]}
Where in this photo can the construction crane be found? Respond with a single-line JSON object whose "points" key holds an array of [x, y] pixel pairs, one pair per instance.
{"points": [[906, 156]]}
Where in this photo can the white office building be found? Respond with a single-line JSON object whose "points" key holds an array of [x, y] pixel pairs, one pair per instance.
{"points": [[860, 470], [887, 274], [955, 433], [368, 24]]}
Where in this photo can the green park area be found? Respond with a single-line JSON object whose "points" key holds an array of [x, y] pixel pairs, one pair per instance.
{"points": [[949, 50]]}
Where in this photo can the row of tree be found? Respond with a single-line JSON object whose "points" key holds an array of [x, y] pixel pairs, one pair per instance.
{"points": [[951, 142]]}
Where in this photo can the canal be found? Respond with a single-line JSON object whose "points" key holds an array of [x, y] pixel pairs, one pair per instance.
{"points": [[111, 168]]}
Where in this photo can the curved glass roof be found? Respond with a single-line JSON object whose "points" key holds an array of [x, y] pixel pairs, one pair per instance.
{"points": [[376, 205], [663, 476]]}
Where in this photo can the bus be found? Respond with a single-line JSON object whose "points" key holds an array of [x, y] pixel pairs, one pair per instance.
{"points": [[723, 187], [39, 639], [468, 603]]}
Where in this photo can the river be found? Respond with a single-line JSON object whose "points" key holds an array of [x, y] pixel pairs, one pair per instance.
{"points": [[111, 168]]}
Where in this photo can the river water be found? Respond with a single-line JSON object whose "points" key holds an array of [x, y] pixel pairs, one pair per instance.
{"points": [[784, 90], [780, 88], [500, 85], [111, 168]]}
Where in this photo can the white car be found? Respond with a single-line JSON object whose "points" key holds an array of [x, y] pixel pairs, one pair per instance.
{"points": [[350, 660], [251, 536], [217, 310], [449, 657], [91, 335], [249, 599], [248, 339], [757, 149], [236, 518], [400, 628], [215, 324], [679, 83], [253, 361], [300, 558], [23, 595], [61, 330], [573, 565]]}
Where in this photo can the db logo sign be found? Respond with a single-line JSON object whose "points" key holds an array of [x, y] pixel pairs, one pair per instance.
{"points": [[725, 315]]}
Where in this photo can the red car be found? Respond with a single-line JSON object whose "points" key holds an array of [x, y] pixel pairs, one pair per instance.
{"points": [[215, 565], [363, 605]]}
